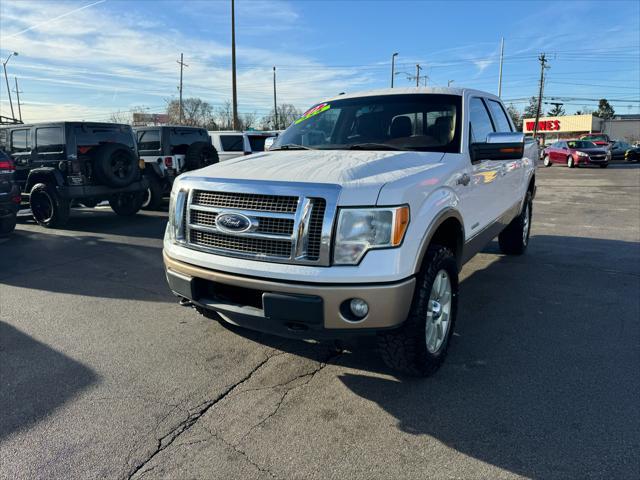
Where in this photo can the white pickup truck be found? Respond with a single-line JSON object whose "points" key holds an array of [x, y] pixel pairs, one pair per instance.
{"points": [[357, 221]]}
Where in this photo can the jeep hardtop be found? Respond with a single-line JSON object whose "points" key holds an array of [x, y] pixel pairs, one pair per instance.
{"points": [[357, 221], [168, 151], [58, 163]]}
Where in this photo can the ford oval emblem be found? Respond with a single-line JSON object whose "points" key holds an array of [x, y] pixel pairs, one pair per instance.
{"points": [[233, 222]]}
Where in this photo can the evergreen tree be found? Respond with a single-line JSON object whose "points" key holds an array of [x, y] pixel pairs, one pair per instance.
{"points": [[605, 110]]}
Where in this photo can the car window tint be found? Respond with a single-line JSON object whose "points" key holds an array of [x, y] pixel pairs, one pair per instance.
{"points": [[480, 120], [20, 141], [149, 140], [187, 136], [257, 142], [499, 116], [49, 139], [231, 143]]}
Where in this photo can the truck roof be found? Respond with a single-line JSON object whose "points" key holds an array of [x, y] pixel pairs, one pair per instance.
{"points": [[413, 90]]}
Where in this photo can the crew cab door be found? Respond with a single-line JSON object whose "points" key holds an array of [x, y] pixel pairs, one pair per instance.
{"points": [[478, 187], [511, 186]]}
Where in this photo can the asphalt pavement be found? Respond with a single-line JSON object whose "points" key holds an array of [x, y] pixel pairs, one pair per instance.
{"points": [[104, 375]]}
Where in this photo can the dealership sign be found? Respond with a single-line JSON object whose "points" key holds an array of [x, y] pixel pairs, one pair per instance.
{"points": [[565, 123]]}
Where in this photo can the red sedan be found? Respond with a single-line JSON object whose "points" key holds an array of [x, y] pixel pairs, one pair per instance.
{"points": [[575, 152]]}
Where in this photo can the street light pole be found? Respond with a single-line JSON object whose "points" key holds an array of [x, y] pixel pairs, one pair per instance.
{"points": [[275, 103], [233, 66], [182, 65], [4, 67], [393, 67], [501, 60]]}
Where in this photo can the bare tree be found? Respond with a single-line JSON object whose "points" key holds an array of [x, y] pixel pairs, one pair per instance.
{"points": [[287, 114], [195, 112], [224, 116]]}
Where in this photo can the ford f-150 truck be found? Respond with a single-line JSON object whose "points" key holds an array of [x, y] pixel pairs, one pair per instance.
{"points": [[357, 220]]}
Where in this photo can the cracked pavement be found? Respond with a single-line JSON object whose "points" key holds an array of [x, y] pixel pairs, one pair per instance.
{"points": [[104, 375]]}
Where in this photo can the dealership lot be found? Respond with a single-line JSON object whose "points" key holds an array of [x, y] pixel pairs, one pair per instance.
{"points": [[103, 374]]}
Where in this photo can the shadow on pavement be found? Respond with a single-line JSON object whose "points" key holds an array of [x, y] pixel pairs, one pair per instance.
{"points": [[542, 377], [35, 380]]}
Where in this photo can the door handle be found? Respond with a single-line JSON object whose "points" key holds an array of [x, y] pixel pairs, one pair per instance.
{"points": [[464, 179]]}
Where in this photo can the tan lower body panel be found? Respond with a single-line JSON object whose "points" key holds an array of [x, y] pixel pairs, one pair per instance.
{"points": [[388, 303]]}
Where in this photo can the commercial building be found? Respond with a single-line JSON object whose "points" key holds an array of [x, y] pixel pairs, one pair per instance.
{"points": [[625, 127]]}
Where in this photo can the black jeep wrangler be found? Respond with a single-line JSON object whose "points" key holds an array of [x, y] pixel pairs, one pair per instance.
{"points": [[62, 162], [9, 195], [167, 152]]}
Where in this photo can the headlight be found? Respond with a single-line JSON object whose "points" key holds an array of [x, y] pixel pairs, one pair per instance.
{"points": [[582, 154], [360, 230], [177, 207]]}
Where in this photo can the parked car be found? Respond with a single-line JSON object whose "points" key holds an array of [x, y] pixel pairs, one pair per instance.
{"points": [[236, 144], [62, 162], [600, 139], [621, 150], [357, 220], [168, 151], [9, 195], [573, 153]]}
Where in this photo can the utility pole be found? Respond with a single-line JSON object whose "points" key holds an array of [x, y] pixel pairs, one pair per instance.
{"points": [[393, 67], [182, 65], [501, 60], [418, 68], [236, 125], [543, 64], [18, 92], [275, 103]]}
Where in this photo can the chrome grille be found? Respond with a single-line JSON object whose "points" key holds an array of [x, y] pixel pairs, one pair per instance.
{"points": [[288, 228], [234, 243], [315, 227], [246, 201]]}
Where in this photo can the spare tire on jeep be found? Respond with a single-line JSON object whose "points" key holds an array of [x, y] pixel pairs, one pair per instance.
{"points": [[115, 165], [199, 155]]}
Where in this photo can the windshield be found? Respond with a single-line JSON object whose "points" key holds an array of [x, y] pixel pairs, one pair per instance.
{"points": [[424, 122], [581, 144], [596, 138]]}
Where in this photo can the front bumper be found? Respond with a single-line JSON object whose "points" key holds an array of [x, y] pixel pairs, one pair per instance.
{"points": [[300, 310]]}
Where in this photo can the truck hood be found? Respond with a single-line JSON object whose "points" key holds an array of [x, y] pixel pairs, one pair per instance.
{"points": [[360, 174]]}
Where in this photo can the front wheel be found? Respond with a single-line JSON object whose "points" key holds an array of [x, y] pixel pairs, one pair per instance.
{"points": [[420, 345], [127, 204], [514, 239], [47, 207], [546, 161], [570, 161]]}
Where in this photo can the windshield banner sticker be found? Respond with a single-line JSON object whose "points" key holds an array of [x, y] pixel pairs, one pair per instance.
{"points": [[313, 111]]}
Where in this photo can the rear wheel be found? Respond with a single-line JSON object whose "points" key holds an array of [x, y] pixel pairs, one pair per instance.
{"points": [[546, 161], [420, 345], [514, 239], [153, 194], [8, 224], [199, 155], [127, 204], [570, 161], [47, 207]]}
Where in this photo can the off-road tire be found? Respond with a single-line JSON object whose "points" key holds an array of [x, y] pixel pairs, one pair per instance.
{"points": [[512, 239], [7, 225], [199, 155], [115, 165], [47, 207], [546, 161], [405, 349], [153, 195], [127, 204]]}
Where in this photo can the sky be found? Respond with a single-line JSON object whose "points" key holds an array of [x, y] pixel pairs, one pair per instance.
{"points": [[83, 60]]}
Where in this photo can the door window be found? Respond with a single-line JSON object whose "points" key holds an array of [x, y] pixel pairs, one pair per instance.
{"points": [[20, 141], [499, 116], [232, 143], [49, 140], [481, 124]]}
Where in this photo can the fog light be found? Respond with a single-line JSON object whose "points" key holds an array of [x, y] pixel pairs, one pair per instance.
{"points": [[359, 307]]}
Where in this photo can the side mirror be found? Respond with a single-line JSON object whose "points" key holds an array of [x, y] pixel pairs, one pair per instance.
{"points": [[499, 146], [268, 142]]}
